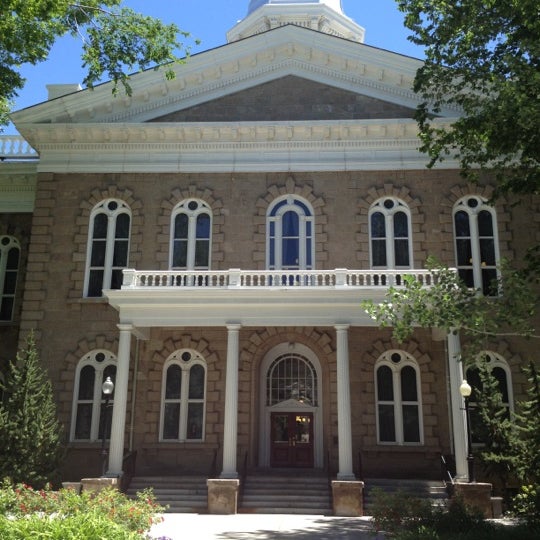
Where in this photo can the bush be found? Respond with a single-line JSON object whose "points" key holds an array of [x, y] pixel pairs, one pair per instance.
{"points": [[53, 511], [526, 504]]}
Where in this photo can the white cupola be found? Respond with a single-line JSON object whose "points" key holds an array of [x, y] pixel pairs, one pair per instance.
{"points": [[321, 15]]}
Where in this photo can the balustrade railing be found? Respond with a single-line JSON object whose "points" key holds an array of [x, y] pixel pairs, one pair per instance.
{"points": [[15, 147], [249, 279]]}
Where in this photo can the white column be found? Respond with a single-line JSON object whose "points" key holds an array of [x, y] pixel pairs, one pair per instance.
{"points": [[457, 407], [344, 404], [118, 426], [230, 426]]}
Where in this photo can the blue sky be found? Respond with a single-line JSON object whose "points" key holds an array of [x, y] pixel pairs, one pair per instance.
{"points": [[208, 20]]}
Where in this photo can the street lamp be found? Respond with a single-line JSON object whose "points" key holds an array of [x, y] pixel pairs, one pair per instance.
{"points": [[465, 390], [107, 388]]}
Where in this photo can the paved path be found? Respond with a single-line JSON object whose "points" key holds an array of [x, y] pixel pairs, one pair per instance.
{"points": [[262, 526]]}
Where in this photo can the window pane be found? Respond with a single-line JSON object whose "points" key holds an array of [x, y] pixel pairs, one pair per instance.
{"points": [[485, 223], [489, 282], [387, 429], [105, 416], [473, 378], [464, 253], [290, 252], [196, 382], [122, 226], [290, 224], [461, 221], [402, 252], [201, 253], [408, 384], [173, 384], [116, 279], [500, 374], [120, 255], [378, 252], [378, 225], [98, 253], [203, 226], [181, 223], [180, 254], [467, 277], [100, 226], [6, 308], [487, 251], [95, 283], [401, 225], [86, 382], [12, 262], [385, 388], [411, 424], [195, 421], [83, 421], [10, 282], [171, 419]]}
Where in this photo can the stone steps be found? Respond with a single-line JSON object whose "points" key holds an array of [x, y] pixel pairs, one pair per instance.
{"points": [[180, 494], [286, 494]]}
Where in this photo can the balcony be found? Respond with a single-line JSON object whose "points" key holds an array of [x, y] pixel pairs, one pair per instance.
{"points": [[153, 298], [15, 147]]}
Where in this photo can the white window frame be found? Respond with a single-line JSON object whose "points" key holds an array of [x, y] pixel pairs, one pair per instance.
{"points": [[11, 242], [183, 208], [184, 400], [91, 359], [112, 216], [398, 206], [406, 361], [275, 218], [476, 264]]}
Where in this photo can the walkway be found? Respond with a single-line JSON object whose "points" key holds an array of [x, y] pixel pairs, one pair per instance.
{"points": [[262, 526]]}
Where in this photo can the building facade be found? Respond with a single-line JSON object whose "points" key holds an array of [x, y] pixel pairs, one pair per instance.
{"points": [[207, 241]]}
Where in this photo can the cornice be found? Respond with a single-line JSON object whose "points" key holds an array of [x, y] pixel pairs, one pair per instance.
{"points": [[17, 187], [225, 147]]}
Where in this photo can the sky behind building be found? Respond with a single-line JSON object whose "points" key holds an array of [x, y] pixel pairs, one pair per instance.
{"points": [[208, 21]]}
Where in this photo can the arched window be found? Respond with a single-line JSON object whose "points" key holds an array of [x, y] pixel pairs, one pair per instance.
{"points": [[477, 250], [290, 230], [183, 397], [499, 369], [9, 268], [88, 417], [108, 246], [191, 232], [291, 376], [399, 408], [390, 234]]}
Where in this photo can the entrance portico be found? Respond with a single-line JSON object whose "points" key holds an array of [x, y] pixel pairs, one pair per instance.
{"points": [[235, 300]]}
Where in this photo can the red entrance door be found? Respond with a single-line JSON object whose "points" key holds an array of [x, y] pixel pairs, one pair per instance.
{"points": [[292, 440]]}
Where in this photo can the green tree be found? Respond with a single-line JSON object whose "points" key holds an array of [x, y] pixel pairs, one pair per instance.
{"points": [[115, 40], [30, 435], [483, 58]]}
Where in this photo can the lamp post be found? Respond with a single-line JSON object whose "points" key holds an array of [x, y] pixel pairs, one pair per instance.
{"points": [[107, 389], [465, 390]]}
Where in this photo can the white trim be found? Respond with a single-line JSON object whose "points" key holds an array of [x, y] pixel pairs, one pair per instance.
{"points": [[290, 405], [407, 360], [389, 239], [13, 242], [99, 368], [184, 400]]}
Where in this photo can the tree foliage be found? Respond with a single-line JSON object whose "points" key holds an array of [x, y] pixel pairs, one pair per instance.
{"points": [[450, 305], [31, 447], [116, 40], [484, 58]]}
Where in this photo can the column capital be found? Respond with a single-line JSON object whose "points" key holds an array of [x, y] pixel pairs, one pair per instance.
{"points": [[342, 326], [125, 327], [233, 326]]}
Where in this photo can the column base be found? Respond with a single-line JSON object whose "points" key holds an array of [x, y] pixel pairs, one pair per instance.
{"points": [[348, 498], [476, 495], [222, 496]]}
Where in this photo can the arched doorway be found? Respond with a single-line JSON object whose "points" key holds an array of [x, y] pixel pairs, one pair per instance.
{"points": [[290, 408]]}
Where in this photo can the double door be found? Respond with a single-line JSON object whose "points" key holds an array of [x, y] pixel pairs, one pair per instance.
{"points": [[292, 439]]}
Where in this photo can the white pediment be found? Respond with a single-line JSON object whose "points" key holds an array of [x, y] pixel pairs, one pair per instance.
{"points": [[235, 67]]}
